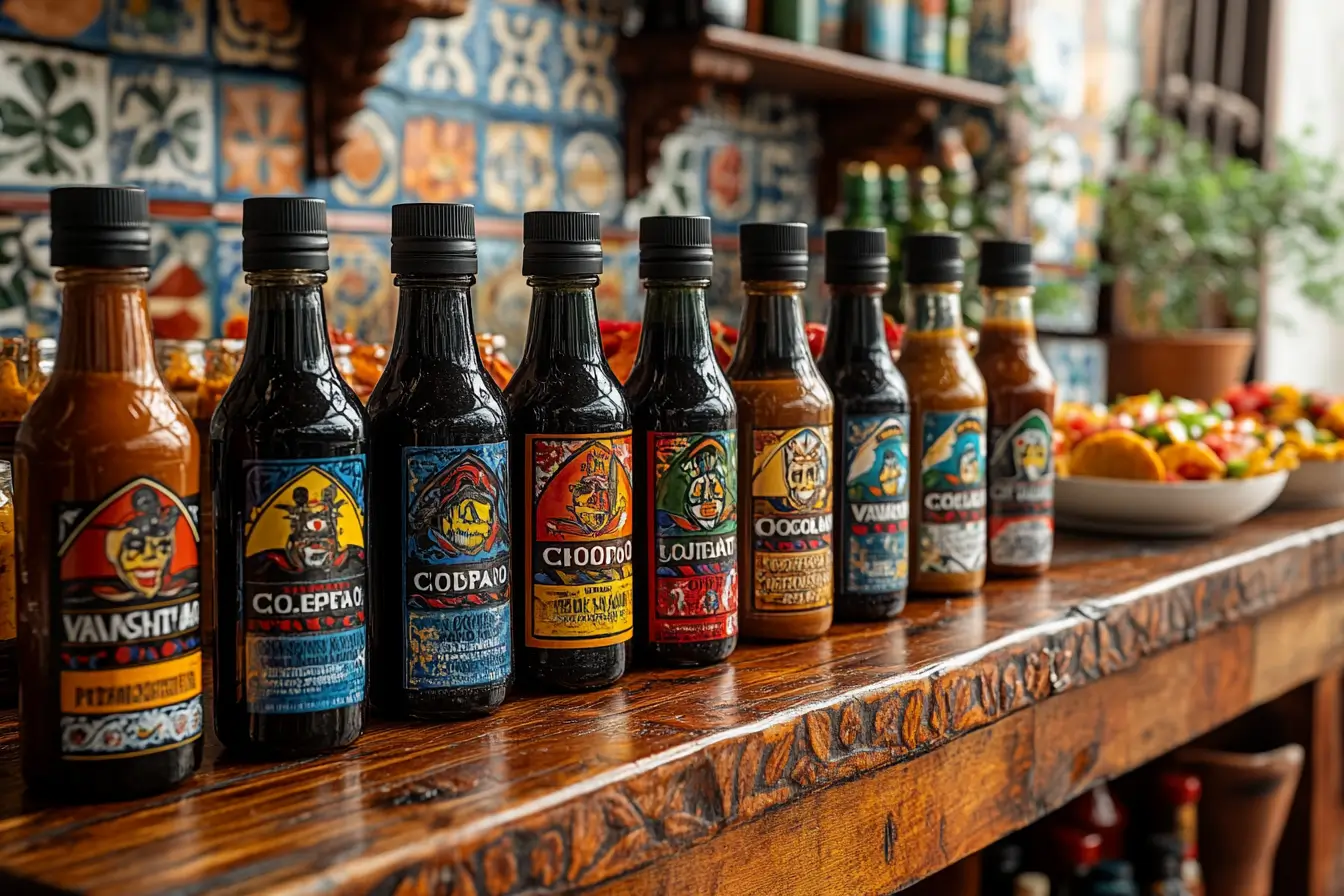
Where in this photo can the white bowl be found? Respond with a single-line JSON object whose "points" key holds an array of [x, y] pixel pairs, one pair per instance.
{"points": [[1127, 507], [1315, 483]]}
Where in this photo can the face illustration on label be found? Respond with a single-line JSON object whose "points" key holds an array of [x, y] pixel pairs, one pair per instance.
{"points": [[593, 492], [707, 492], [805, 469], [1031, 453], [458, 510], [969, 464], [954, 450], [311, 526], [140, 549]]}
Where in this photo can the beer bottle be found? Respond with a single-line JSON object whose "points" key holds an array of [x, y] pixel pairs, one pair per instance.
{"points": [[570, 450], [1021, 415], [930, 212], [947, 422], [784, 444], [108, 488], [863, 194], [872, 432], [685, 424], [287, 451], [438, 442]]}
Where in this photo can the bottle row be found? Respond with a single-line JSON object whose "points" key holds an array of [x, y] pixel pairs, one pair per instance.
{"points": [[453, 536]]}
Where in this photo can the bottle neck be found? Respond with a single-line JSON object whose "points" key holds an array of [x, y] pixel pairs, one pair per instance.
{"points": [[563, 322], [772, 327], [434, 320], [933, 308], [105, 326], [286, 322], [1009, 309], [676, 323], [855, 329]]}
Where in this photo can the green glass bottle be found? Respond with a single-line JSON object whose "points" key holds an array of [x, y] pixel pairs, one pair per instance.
{"points": [[959, 37], [896, 212], [930, 212], [863, 195]]}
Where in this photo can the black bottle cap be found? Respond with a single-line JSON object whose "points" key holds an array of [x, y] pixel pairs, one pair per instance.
{"points": [[675, 247], [561, 244], [1005, 263], [932, 258], [99, 227], [433, 238], [857, 256], [284, 233], [773, 251]]}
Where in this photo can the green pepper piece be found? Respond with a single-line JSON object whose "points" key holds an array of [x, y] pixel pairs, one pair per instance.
{"points": [[1237, 469], [1222, 410]]}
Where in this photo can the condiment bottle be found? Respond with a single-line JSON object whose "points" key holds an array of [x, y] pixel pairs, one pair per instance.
{"points": [[784, 443], [1181, 792], [1076, 853], [1021, 415], [927, 35], [1098, 812], [9, 610], [570, 453], [288, 451], [872, 432], [947, 423], [685, 420], [1164, 875], [440, 631], [796, 20], [107, 470], [958, 59]]}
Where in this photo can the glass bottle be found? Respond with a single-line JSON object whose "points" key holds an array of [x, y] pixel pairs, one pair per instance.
{"points": [[959, 38], [685, 420], [438, 439], [9, 606], [785, 414], [288, 453], [872, 432], [570, 453], [863, 195], [107, 470], [1181, 792], [927, 35], [896, 213], [930, 214]]}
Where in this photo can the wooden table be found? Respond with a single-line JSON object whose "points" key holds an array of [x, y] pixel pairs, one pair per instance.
{"points": [[853, 764]]}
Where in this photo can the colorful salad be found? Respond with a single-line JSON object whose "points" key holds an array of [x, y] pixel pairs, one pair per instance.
{"points": [[1312, 422]]}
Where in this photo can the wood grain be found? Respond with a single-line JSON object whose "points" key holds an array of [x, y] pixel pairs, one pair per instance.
{"points": [[862, 761]]}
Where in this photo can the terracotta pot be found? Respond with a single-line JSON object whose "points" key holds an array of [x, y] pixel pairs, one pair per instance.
{"points": [[1245, 805], [1198, 364]]}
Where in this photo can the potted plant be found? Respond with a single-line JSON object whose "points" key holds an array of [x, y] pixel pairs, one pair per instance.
{"points": [[1187, 236]]}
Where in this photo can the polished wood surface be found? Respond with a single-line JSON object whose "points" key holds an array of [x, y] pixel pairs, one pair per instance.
{"points": [[854, 764]]}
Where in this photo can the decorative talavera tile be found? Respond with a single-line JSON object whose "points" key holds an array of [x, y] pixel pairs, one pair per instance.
{"points": [[1079, 366], [784, 181], [525, 59], [619, 291], [730, 181], [53, 116], [182, 279], [724, 299], [261, 137], [675, 181], [503, 298], [593, 173], [1076, 310], [1059, 169], [439, 158], [1057, 46], [369, 164], [589, 88], [232, 294], [163, 129], [359, 294], [28, 303], [601, 12], [438, 57], [519, 167], [257, 32], [82, 22], [158, 27]]}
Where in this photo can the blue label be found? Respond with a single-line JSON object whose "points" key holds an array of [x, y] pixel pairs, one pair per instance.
{"points": [[927, 34], [884, 29], [876, 530], [304, 583], [455, 573], [952, 506]]}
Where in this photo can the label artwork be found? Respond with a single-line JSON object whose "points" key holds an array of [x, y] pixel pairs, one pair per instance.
{"points": [[1022, 492], [791, 519], [693, 573], [952, 515], [304, 584], [456, 570], [579, 571], [128, 590], [876, 537]]}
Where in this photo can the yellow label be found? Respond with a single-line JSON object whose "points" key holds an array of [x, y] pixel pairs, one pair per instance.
{"points": [[131, 688], [791, 519], [800, 581], [590, 613]]}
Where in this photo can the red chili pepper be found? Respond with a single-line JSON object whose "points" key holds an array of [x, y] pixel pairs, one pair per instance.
{"points": [[606, 327], [816, 338], [894, 332]]}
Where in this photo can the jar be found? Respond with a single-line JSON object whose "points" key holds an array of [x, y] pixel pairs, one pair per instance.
{"points": [[182, 364], [222, 357], [41, 360]]}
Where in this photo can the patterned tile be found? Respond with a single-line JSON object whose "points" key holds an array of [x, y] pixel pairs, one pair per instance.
{"points": [[589, 88], [1057, 48], [80, 22], [261, 141], [182, 279], [53, 116], [359, 294], [1079, 366], [524, 57], [503, 298], [730, 180], [725, 288], [785, 179], [1054, 210], [28, 304], [619, 292], [519, 167], [257, 33], [438, 57], [439, 158], [675, 181], [159, 27], [593, 170], [232, 294], [369, 163], [602, 12], [163, 129]]}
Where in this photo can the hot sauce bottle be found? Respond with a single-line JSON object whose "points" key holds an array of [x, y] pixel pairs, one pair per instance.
{"points": [[438, 460], [570, 440], [872, 432], [107, 474], [686, 577], [288, 462], [784, 445], [947, 423], [1021, 415]]}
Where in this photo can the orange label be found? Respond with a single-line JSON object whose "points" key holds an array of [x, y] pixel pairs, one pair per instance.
{"points": [[133, 688]]}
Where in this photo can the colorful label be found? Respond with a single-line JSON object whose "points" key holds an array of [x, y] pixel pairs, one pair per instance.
{"points": [[128, 585], [693, 536], [927, 34], [952, 512], [831, 23], [884, 32], [579, 574], [304, 583], [1022, 492], [876, 530], [455, 574], [791, 521], [959, 46]]}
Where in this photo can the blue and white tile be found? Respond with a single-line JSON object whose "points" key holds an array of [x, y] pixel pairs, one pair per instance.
{"points": [[503, 298], [592, 168], [730, 179], [1055, 173], [53, 116], [526, 63], [28, 302], [163, 129], [265, 33], [620, 295], [182, 278], [1058, 45], [725, 287], [589, 90], [79, 22], [676, 180], [1079, 366], [359, 293], [518, 167], [438, 57], [369, 163], [232, 294], [159, 27], [785, 179]]}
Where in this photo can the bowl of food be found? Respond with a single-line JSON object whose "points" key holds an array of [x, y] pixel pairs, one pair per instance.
{"points": [[1312, 424]]}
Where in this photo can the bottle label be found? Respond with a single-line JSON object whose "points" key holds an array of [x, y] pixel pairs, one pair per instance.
{"points": [[304, 583], [791, 523], [128, 584], [579, 574], [952, 516], [876, 532], [927, 33], [1022, 492], [693, 536], [456, 569]]}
